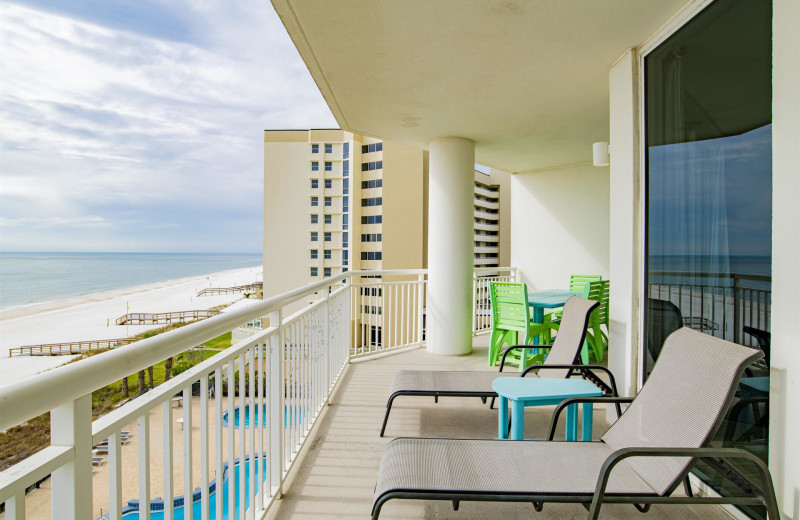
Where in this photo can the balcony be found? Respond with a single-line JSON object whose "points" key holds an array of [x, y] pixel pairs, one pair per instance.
{"points": [[320, 376]]}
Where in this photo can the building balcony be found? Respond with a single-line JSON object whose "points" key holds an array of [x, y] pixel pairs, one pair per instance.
{"points": [[491, 204], [320, 377]]}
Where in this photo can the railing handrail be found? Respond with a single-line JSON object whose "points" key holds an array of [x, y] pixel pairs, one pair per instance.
{"points": [[27, 398]]}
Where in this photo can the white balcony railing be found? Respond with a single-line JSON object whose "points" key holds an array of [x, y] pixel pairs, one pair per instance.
{"points": [[246, 412]]}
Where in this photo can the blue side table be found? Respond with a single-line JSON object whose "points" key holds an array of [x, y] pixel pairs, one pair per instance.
{"points": [[528, 391]]}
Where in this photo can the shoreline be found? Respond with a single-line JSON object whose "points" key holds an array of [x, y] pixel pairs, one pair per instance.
{"points": [[16, 311], [92, 316]]}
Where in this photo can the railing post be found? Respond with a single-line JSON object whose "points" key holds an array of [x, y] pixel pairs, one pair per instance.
{"points": [[421, 309], [326, 347], [737, 321], [71, 425], [276, 404], [474, 302]]}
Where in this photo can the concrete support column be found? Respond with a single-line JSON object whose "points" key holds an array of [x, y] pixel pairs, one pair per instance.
{"points": [[450, 245]]}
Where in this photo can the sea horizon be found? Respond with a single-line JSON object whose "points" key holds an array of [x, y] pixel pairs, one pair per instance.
{"points": [[30, 278]]}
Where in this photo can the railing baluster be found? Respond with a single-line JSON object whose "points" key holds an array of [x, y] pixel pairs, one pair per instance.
{"points": [[166, 441], [115, 477], [204, 499], [218, 441], [276, 404], [144, 466], [242, 447], [255, 415], [231, 441], [188, 490]]}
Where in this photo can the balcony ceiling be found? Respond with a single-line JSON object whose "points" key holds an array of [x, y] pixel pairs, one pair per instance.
{"points": [[527, 80]]}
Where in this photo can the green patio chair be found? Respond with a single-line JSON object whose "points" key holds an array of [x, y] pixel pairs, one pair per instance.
{"points": [[576, 283], [510, 316], [595, 291], [595, 337]]}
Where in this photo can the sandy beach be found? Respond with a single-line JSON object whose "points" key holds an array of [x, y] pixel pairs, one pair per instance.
{"points": [[92, 317]]}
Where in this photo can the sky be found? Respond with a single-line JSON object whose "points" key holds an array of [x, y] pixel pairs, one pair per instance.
{"points": [[137, 125]]}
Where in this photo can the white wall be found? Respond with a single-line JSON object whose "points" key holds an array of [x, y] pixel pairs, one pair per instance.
{"points": [[559, 225], [624, 243], [784, 450]]}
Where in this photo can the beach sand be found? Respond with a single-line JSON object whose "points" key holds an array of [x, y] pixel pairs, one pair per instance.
{"points": [[92, 317]]}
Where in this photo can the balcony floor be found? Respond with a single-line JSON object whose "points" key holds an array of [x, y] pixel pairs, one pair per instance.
{"points": [[336, 474]]}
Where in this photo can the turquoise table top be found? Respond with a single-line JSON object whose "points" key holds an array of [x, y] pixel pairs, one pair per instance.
{"points": [[757, 383], [551, 298], [524, 388]]}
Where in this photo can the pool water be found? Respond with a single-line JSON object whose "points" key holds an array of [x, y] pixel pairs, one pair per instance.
{"points": [[291, 416], [178, 512]]}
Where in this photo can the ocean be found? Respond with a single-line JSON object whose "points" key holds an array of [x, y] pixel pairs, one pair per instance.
{"points": [[28, 278]]}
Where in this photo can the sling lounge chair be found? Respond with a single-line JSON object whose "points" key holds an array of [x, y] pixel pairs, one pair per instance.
{"points": [[559, 363], [641, 459]]}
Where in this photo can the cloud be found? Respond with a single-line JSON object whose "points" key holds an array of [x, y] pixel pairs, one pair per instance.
{"points": [[103, 112]]}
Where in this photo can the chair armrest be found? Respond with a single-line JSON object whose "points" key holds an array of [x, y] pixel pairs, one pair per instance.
{"points": [[586, 370], [509, 349], [575, 400], [767, 490]]}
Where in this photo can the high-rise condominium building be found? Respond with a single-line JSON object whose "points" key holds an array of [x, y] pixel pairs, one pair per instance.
{"points": [[491, 218], [337, 201]]}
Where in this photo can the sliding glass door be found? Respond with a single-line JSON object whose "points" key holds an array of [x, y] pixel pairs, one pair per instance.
{"points": [[708, 199]]}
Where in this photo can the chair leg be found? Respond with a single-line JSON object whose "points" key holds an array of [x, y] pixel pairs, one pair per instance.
{"points": [[386, 417]]}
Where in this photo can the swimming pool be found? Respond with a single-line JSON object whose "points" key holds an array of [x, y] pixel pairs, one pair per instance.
{"points": [[291, 416], [131, 512]]}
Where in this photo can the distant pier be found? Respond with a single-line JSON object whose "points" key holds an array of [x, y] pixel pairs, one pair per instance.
{"points": [[148, 318], [73, 347], [253, 287]]}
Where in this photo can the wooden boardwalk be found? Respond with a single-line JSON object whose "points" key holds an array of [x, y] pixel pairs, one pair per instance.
{"points": [[73, 347], [148, 318], [253, 287]]}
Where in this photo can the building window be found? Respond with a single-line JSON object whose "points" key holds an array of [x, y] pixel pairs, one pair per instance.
{"points": [[372, 219], [372, 201], [329, 201], [374, 147], [313, 271], [327, 236], [314, 184], [328, 183], [371, 291], [364, 167], [328, 148], [314, 166], [345, 256], [314, 219], [327, 272], [345, 168], [346, 204], [328, 166], [315, 201], [314, 254], [328, 254], [328, 219], [370, 166], [314, 148], [345, 186], [371, 255], [314, 236], [346, 150], [345, 220], [371, 237], [375, 183], [345, 239]]}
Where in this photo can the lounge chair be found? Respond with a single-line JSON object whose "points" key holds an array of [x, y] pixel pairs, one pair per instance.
{"points": [[642, 458], [559, 363]]}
